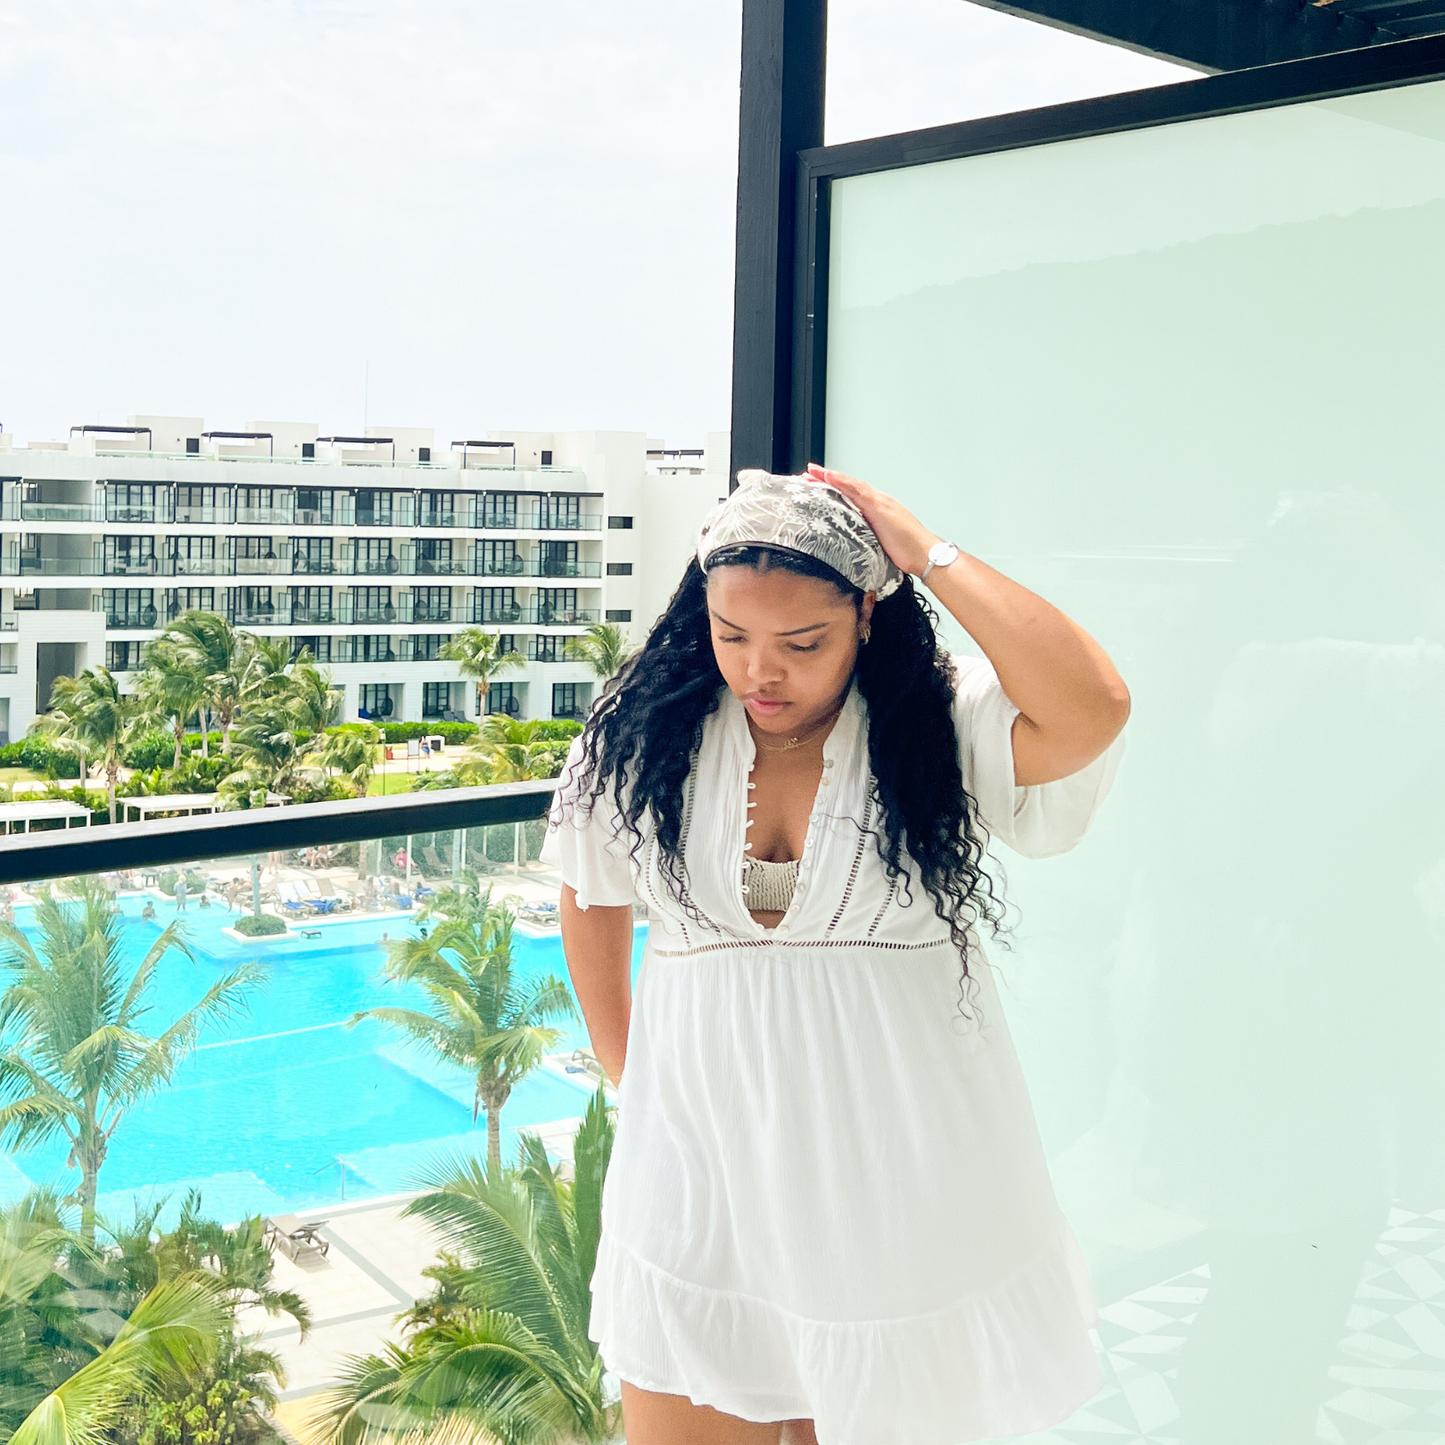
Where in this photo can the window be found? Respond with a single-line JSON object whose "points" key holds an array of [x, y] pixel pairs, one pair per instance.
{"points": [[565, 698], [561, 511], [373, 509], [431, 604], [424, 647], [129, 555], [423, 454], [437, 698], [256, 554], [620, 524], [502, 697], [263, 504], [496, 604], [311, 604], [371, 604], [190, 599], [312, 554], [123, 656], [375, 700], [308, 451], [134, 502], [619, 614], [192, 554], [506, 642], [619, 569], [373, 554], [315, 508], [549, 648], [498, 509], [438, 509], [546, 459], [501, 559], [193, 446], [318, 646], [556, 604], [434, 555], [558, 559], [202, 504], [372, 647], [129, 606], [250, 605]]}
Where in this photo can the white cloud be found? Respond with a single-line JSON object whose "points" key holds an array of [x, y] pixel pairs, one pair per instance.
{"points": [[518, 214]]}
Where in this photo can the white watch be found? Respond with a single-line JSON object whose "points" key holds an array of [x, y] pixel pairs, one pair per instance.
{"points": [[939, 555]]}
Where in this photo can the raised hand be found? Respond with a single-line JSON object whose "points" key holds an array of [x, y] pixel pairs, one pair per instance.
{"points": [[905, 539]]}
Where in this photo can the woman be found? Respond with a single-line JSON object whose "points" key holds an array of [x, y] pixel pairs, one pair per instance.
{"points": [[827, 1215]]}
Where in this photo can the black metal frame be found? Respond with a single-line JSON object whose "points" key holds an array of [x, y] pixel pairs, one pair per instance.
{"points": [[792, 416], [62, 853]]}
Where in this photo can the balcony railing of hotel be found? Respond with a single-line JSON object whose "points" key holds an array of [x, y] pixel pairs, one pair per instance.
{"points": [[404, 514], [532, 616], [403, 564]]}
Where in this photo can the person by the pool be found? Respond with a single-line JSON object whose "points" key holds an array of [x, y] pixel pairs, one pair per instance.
{"points": [[828, 1215]]}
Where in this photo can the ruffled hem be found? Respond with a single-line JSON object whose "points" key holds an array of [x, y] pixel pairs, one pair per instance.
{"points": [[1007, 1362]]}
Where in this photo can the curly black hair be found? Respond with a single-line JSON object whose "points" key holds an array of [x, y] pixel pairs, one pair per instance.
{"points": [[642, 736]]}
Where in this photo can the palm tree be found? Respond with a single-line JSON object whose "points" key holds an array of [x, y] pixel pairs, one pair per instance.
{"points": [[499, 1351], [272, 750], [604, 648], [177, 1327], [353, 755], [478, 654], [515, 752], [76, 1060], [205, 643], [171, 691], [481, 1016], [93, 718]]}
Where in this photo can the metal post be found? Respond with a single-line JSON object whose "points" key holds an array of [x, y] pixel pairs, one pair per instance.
{"points": [[784, 56]]}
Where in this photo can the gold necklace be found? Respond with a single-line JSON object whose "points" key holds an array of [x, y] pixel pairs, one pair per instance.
{"points": [[800, 738]]}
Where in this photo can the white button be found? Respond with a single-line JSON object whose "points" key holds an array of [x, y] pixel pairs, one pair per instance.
{"points": [[782, 928], [827, 762], [826, 781], [752, 785], [751, 821], [746, 846], [752, 805]]}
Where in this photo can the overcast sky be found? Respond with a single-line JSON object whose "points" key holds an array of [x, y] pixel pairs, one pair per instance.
{"points": [[510, 214]]}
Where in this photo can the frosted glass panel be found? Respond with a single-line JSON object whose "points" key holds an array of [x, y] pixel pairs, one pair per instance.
{"points": [[1189, 383]]}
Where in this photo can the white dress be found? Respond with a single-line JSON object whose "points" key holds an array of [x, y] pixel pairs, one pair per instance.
{"points": [[827, 1197]]}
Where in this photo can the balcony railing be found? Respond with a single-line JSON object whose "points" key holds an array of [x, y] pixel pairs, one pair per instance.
{"points": [[55, 512], [52, 567], [533, 616], [544, 649], [533, 567], [9, 622], [9, 667]]}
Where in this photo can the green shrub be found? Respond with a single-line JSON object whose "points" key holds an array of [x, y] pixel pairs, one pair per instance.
{"points": [[40, 755], [329, 790], [559, 728], [454, 732], [192, 743], [97, 802], [154, 749], [261, 925]]}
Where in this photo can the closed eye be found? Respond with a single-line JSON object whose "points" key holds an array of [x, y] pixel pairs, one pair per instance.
{"points": [[811, 647]]}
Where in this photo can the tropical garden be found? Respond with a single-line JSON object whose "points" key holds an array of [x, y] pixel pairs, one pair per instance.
{"points": [[141, 1331], [217, 709]]}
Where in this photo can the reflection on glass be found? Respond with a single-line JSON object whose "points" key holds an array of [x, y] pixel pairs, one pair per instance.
{"points": [[1184, 382], [268, 1016]]}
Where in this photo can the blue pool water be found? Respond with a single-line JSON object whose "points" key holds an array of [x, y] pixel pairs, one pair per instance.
{"points": [[286, 1107]]}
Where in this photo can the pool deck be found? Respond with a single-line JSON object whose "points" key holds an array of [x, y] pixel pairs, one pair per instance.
{"points": [[369, 1278]]}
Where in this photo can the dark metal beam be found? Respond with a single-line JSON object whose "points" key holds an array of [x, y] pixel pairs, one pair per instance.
{"points": [[1215, 35], [62, 853], [784, 56]]}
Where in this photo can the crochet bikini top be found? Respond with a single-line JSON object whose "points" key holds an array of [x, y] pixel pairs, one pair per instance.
{"points": [[767, 886]]}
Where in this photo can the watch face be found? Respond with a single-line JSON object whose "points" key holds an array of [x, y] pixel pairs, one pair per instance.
{"points": [[942, 553]]}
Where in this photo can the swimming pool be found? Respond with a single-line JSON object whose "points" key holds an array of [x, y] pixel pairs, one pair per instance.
{"points": [[286, 1108]]}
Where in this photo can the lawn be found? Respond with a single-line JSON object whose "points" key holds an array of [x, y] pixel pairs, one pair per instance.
{"points": [[389, 782], [10, 776]]}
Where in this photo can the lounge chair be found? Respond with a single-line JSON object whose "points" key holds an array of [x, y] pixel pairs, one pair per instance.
{"points": [[329, 890], [292, 1235], [434, 861], [548, 915]]}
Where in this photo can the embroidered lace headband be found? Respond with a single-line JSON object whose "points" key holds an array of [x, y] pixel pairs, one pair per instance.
{"points": [[804, 516]]}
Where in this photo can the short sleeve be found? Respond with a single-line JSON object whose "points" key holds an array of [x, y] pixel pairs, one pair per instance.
{"points": [[581, 841], [1037, 821]]}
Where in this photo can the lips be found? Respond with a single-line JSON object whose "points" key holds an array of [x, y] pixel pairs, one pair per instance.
{"points": [[766, 706]]}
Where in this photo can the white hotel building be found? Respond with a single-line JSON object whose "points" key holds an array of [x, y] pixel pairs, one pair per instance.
{"points": [[370, 550]]}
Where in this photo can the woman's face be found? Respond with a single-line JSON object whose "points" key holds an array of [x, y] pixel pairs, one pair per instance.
{"points": [[786, 644]]}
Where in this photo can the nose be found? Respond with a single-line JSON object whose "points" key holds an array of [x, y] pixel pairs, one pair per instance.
{"points": [[764, 666]]}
